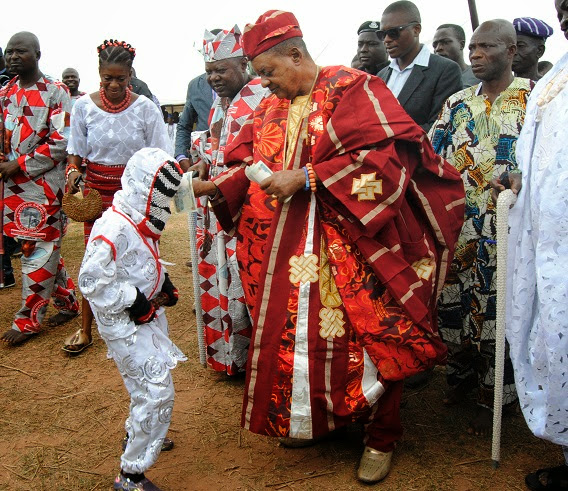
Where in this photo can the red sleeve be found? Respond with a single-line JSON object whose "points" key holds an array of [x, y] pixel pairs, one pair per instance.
{"points": [[233, 185]]}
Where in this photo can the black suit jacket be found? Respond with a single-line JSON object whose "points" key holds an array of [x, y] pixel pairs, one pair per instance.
{"points": [[427, 88]]}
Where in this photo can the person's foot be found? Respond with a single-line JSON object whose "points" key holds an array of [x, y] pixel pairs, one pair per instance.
{"points": [[13, 337], [374, 465], [60, 318], [77, 342], [9, 281], [125, 483], [458, 393], [552, 478], [482, 423]]}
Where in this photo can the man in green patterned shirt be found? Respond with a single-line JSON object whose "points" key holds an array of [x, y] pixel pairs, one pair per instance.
{"points": [[477, 131]]}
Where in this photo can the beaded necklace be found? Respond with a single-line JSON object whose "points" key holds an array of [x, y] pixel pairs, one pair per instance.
{"points": [[287, 152], [115, 108]]}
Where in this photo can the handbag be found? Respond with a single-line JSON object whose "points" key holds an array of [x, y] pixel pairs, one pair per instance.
{"points": [[83, 210]]}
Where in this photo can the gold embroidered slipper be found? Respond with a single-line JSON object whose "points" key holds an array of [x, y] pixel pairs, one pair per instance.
{"points": [[374, 465]]}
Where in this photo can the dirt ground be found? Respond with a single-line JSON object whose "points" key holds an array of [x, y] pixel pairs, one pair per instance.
{"points": [[61, 420]]}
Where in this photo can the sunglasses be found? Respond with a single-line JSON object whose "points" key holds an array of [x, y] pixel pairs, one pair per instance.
{"points": [[394, 33]]}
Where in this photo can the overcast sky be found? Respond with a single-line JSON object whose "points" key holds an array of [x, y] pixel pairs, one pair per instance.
{"points": [[166, 33]]}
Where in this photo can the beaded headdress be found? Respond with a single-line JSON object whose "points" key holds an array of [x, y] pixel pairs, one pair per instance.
{"points": [[113, 42]]}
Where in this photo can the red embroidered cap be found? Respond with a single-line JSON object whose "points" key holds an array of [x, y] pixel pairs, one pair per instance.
{"points": [[270, 29]]}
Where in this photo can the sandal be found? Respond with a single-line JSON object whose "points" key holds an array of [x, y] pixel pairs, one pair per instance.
{"points": [[77, 342], [552, 478], [167, 444], [60, 318]]}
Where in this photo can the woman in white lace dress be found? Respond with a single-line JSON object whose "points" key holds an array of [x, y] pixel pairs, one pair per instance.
{"points": [[107, 128]]}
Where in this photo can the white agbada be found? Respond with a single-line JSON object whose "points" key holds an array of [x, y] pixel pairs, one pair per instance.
{"points": [[537, 301], [122, 257]]}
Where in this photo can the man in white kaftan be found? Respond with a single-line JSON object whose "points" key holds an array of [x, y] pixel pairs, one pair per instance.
{"points": [[537, 299]]}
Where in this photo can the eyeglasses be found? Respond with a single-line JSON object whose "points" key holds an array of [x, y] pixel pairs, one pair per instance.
{"points": [[394, 32]]}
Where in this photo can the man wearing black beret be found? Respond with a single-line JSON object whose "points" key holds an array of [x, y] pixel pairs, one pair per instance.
{"points": [[370, 50]]}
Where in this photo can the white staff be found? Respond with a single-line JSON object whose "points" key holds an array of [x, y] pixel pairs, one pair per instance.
{"points": [[506, 199], [198, 151], [192, 222], [184, 201]]}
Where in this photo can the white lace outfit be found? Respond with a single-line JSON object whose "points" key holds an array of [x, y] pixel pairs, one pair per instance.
{"points": [[121, 257], [537, 303], [111, 139]]}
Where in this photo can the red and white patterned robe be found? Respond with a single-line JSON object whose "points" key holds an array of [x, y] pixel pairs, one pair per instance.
{"points": [[36, 126], [36, 121], [225, 315]]}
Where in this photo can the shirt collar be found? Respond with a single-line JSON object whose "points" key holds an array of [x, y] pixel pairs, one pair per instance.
{"points": [[422, 59], [515, 84]]}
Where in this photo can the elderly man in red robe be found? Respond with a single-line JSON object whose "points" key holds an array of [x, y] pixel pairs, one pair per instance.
{"points": [[343, 249]]}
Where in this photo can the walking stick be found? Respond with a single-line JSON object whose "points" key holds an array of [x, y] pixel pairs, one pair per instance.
{"points": [[192, 222], [506, 199]]}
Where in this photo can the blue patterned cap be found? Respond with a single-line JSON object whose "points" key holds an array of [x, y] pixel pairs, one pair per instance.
{"points": [[529, 26]]}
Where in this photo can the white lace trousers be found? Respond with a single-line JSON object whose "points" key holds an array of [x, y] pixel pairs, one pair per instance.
{"points": [[145, 360], [147, 424]]}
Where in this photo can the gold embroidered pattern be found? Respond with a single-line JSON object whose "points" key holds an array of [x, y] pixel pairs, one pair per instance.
{"points": [[424, 268], [303, 268], [367, 186], [331, 322], [329, 294], [331, 318]]}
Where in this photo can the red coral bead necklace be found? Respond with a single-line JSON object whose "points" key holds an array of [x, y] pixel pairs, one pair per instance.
{"points": [[115, 108]]}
